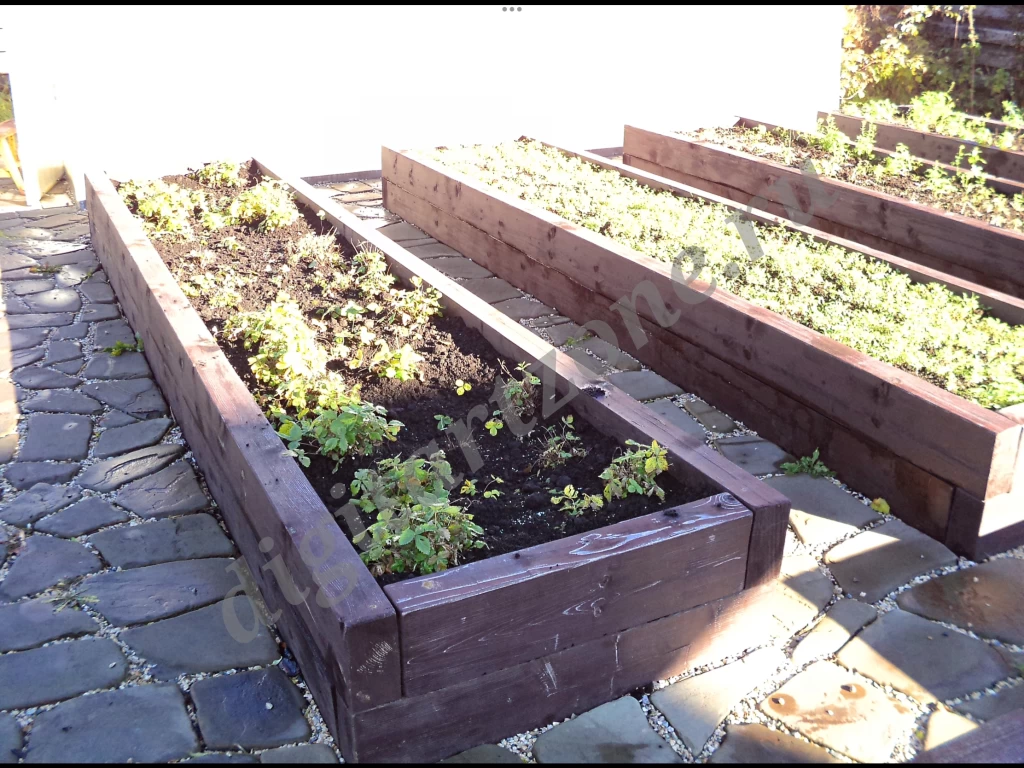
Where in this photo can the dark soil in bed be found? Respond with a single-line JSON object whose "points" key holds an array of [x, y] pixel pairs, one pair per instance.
{"points": [[523, 515]]}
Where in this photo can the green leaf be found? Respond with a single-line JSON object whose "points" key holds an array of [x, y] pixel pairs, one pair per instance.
{"points": [[407, 535], [423, 545]]}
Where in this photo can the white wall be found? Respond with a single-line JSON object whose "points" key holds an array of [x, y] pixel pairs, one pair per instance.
{"points": [[150, 90]]}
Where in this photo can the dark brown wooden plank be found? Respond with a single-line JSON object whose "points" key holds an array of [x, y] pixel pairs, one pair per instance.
{"points": [[997, 741], [266, 501], [499, 612], [989, 251], [919, 498], [613, 412], [933, 146], [1002, 305], [438, 724], [982, 528], [916, 419]]}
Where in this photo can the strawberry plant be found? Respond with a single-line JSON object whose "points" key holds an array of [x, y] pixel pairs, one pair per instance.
{"points": [[635, 470], [417, 529]]}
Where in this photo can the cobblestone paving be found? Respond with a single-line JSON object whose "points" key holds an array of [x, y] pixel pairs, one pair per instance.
{"points": [[878, 634], [115, 569]]}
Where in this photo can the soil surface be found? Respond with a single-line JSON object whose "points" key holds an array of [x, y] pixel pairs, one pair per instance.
{"points": [[796, 152], [523, 515]]}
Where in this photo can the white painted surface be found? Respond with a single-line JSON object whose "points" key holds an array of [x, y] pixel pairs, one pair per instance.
{"points": [[151, 90]]}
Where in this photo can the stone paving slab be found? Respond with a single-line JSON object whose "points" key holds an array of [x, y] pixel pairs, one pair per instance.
{"points": [[759, 744], [459, 267], [842, 622], [143, 724], [25, 474], [822, 512], [305, 753], [225, 635], [38, 377], [754, 454], [487, 754], [677, 417], [616, 732], [8, 447], [86, 516], [31, 623], [712, 418], [40, 500], [644, 385], [73, 331], [801, 593], [923, 659], [564, 333], [140, 434], [154, 592], [127, 365], [943, 726], [43, 562], [109, 332], [491, 289], [402, 231], [232, 711], [30, 337], [60, 437], [987, 599], [11, 740], [59, 671], [136, 397], [524, 309], [171, 491], [183, 538], [111, 474], [842, 711], [63, 351], [991, 706], [695, 706], [18, 322], [430, 250], [874, 563]]}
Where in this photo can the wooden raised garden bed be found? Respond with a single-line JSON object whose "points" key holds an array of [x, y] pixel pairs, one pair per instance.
{"points": [[947, 242], [945, 464], [423, 668], [1005, 163]]}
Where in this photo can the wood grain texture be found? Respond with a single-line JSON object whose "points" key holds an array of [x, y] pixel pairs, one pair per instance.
{"points": [[611, 411], [997, 741], [994, 256], [982, 528], [438, 724], [913, 418], [933, 146], [499, 612], [335, 616]]}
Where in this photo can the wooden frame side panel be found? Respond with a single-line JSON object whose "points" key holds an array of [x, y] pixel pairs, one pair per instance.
{"points": [[563, 683], [270, 508], [499, 612]]}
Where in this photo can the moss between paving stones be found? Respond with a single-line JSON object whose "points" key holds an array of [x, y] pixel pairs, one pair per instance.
{"points": [[925, 329]]}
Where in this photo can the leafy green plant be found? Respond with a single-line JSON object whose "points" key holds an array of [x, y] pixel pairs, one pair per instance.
{"points": [[880, 505], [417, 528], [412, 310], [468, 488], [864, 146], [267, 206], [121, 347], [165, 209], [575, 503], [634, 471], [519, 394], [462, 387], [320, 251], [44, 270], [561, 445], [402, 363], [810, 465], [443, 422], [355, 428], [494, 424], [222, 173]]}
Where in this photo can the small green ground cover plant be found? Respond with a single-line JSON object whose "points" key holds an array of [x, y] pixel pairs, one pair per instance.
{"points": [[925, 329], [810, 465], [936, 112]]}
